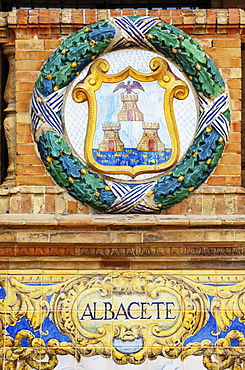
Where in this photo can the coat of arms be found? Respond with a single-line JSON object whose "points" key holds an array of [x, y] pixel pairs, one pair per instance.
{"points": [[130, 115], [121, 138]]}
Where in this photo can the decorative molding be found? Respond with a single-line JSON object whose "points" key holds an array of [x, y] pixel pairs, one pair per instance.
{"points": [[3, 24], [10, 111], [169, 251], [109, 252], [201, 20]]}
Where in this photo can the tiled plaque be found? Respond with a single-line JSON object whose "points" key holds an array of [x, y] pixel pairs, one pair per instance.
{"points": [[121, 320]]}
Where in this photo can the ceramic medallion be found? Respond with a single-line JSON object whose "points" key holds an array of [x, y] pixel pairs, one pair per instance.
{"points": [[130, 115]]}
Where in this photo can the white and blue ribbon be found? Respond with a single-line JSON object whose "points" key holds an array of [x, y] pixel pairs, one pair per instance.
{"points": [[132, 33], [132, 199], [44, 110], [212, 114]]}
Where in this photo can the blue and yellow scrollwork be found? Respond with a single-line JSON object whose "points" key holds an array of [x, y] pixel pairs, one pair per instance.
{"points": [[121, 315]]}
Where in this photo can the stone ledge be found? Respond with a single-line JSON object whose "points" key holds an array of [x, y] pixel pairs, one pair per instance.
{"points": [[56, 189], [101, 220], [125, 241]]}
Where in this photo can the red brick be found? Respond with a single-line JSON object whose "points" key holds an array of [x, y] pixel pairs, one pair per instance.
{"points": [[22, 15], [27, 76], [232, 148], [165, 15], [241, 204], [230, 159], [235, 94], [22, 31], [51, 44], [225, 52], [227, 170], [235, 137], [140, 12], [234, 83], [7, 251], [72, 207], [210, 21], [84, 209], [15, 204], [77, 16], [49, 204], [55, 16], [23, 128], [24, 138], [44, 16], [116, 12], [32, 55], [25, 86], [233, 181], [45, 30], [188, 20], [175, 210], [153, 13], [26, 149], [55, 30], [216, 180], [223, 36], [225, 62], [90, 16], [235, 126], [26, 204], [34, 180], [32, 31], [28, 160], [23, 97], [228, 43], [77, 28], [233, 20], [177, 17], [12, 34], [33, 16], [22, 107], [27, 65], [128, 12], [30, 170]]}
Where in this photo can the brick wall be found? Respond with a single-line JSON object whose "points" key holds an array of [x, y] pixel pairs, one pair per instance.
{"points": [[37, 33]]}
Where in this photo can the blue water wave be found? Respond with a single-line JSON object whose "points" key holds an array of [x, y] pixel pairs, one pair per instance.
{"points": [[131, 157]]}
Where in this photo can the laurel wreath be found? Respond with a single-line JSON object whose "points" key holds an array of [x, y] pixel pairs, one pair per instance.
{"points": [[73, 55]]}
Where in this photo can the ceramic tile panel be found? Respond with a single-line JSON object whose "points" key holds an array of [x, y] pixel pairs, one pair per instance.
{"points": [[121, 319]]}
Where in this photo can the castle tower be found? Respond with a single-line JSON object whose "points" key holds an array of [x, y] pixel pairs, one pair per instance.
{"points": [[111, 141], [130, 110], [150, 141]]}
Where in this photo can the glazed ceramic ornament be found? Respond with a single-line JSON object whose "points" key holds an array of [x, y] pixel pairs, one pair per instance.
{"points": [[130, 115]]}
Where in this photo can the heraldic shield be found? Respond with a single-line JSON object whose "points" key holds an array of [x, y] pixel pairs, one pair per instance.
{"points": [[119, 140]]}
